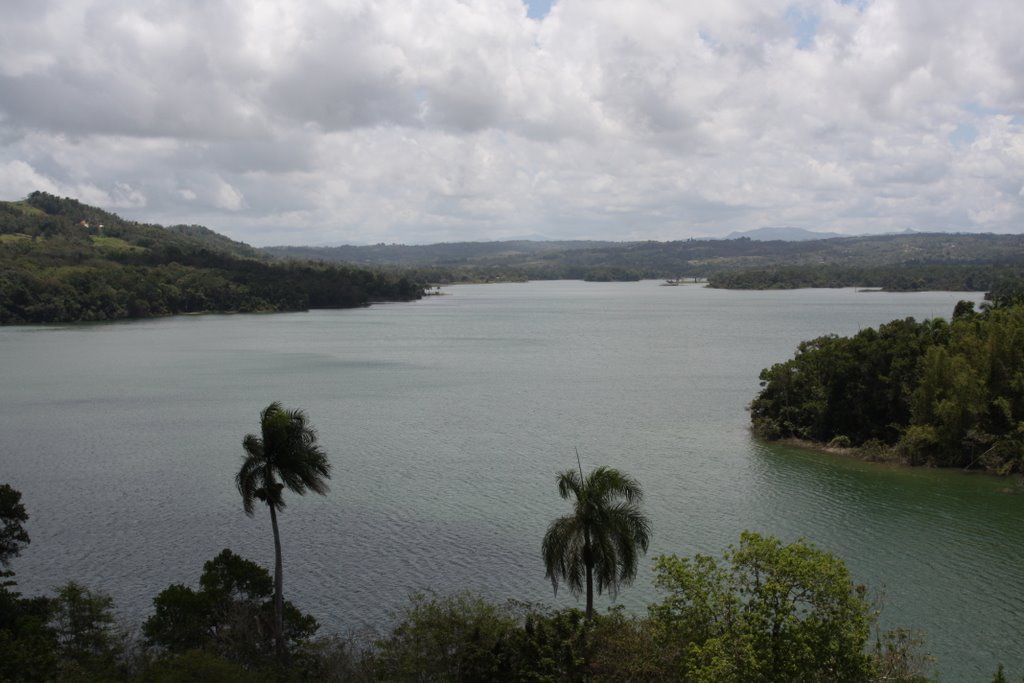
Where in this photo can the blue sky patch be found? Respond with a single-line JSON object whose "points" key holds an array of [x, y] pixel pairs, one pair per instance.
{"points": [[964, 134], [538, 9], [804, 24]]}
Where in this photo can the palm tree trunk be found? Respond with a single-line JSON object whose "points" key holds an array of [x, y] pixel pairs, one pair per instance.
{"points": [[278, 592], [588, 560], [590, 592]]}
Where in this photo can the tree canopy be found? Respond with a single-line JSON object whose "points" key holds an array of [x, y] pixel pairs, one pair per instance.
{"points": [[766, 612], [13, 536], [930, 392]]}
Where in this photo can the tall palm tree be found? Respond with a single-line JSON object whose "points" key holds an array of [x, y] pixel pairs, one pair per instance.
{"points": [[286, 450], [601, 538]]}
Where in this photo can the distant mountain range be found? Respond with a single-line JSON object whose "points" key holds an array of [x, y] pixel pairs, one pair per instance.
{"points": [[783, 234]]}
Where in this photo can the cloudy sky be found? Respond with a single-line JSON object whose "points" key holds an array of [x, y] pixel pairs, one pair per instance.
{"points": [[416, 121]]}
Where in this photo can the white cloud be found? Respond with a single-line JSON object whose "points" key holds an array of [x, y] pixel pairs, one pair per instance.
{"points": [[427, 120], [19, 179]]}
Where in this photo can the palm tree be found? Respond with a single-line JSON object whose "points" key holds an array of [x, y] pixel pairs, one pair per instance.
{"points": [[286, 450], [602, 536]]}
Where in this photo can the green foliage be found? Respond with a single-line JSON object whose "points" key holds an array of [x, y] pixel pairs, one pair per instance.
{"points": [[332, 658], [196, 666], [13, 536], [286, 449], [466, 638], [603, 537], [767, 612], [182, 620], [630, 648], [456, 638], [936, 393], [88, 643], [1006, 291], [856, 387], [552, 646], [231, 615], [78, 263], [895, 277], [28, 645], [894, 262]]}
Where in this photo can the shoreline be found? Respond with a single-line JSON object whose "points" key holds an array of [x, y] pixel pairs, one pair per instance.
{"points": [[887, 457]]}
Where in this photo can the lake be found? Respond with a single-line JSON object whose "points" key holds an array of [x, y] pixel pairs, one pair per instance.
{"points": [[447, 421]]}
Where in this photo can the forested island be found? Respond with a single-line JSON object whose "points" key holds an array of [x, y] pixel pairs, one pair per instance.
{"points": [[64, 261], [946, 394]]}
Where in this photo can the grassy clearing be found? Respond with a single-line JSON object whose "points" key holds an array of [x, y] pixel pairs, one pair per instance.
{"points": [[27, 208], [114, 244], [16, 237]]}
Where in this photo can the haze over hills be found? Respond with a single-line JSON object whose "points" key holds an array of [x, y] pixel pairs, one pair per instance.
{"points": [[785, 234], [436, 254], [832, 260]]}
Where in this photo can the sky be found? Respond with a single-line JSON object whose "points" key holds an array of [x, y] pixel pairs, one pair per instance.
{"points": [[321, 122]]}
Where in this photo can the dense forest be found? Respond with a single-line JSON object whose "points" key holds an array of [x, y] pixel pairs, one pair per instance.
{"points": [[948, 394], [64, 261], [905, 262]]}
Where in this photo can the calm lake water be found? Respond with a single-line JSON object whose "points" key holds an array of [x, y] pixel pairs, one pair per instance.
{"points": [[447, 420]]}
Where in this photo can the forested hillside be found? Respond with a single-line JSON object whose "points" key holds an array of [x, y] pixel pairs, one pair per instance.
{"points": [[903, 262], [64, 261]]}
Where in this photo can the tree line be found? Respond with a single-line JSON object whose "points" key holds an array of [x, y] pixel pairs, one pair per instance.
{"points": [[949, 394], [761, 612], [893, 278], [907, 262]]}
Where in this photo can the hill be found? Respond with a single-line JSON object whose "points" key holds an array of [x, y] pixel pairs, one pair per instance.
{"points": [[908, 261], [64, 261], [441, 253]]}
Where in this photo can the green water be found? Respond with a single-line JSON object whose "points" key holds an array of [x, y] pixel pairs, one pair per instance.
{"points": [[447, 420]]}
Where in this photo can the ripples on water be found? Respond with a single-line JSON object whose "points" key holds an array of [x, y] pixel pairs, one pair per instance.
{"points": [[447, 420]]}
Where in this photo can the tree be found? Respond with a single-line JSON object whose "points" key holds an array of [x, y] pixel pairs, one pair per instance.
{"points": [[12, 516], [601, 537], [28, 644], [88, 642], [285, 454], [770, 612], [230, 615]]}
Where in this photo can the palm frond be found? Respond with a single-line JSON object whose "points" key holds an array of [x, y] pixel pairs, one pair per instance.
{"points": [[563, 554], [249, 477], [285, 455], [569, 484]]}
